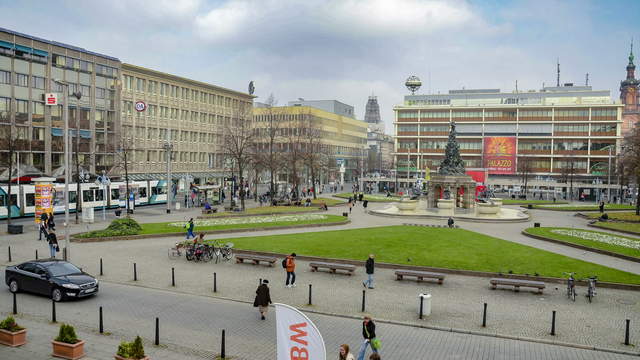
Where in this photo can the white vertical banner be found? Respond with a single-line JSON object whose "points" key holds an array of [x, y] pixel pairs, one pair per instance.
{"points": [[298, 337]]}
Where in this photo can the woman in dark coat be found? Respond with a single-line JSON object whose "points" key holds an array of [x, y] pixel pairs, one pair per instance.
{"points": [[263, 299]]}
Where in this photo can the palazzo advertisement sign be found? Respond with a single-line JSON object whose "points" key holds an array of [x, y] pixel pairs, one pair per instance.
{"points": [[43, 199], [500, 154]]}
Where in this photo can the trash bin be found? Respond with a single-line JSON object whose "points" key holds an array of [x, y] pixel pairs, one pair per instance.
{"points": [[87, 215], [426, 304], [15, 229], [345, 214], [118, 212], [536, 224]]}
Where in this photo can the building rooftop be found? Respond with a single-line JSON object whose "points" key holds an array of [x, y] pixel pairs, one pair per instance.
{"points": [[333, 106]]}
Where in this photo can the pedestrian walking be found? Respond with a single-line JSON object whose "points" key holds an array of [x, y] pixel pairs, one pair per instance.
{"points": [[290, 265], [263, 299], [53, 243], [369, 265], [190, 226], [344, 353], [350, 207], [365, 203], [369, 335], [51, 224], [450, 222], [601, 207], [42, 229]]}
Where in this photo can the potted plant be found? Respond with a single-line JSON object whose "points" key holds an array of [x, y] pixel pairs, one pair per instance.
{"points": [[131, 350], [67, 345], [11, 333]]}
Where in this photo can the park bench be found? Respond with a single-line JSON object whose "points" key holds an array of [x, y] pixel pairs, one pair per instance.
{"points": [[419, 275], [256, 259], [517, 284], [332, 267], [210, 211]]}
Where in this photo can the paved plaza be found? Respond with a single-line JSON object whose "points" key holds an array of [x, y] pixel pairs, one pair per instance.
{"points": [[457, 303]]}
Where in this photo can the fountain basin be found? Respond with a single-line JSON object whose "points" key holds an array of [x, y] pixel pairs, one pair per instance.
{"points": [[446, 203], [407, 205], [488, 208]]}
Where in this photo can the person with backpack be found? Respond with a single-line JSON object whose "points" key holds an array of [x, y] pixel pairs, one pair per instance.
{"points": [[51, 224], [53, 243], [369, 334], [369, 270], [263, 299], [289, 263], [42, 227], [190, 226]]}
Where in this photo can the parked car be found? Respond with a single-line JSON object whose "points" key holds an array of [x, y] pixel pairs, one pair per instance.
{"points": [[57, 279]]}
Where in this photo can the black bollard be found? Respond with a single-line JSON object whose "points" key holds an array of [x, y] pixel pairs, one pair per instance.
{"points": [[64, 254], [15, 304], [222, 347], [553, 322], [626, 333], [53, 311], [259, 282], [363, 298], [484, 316], [135, 272], [157, 341], [173, 277], [101, 273], [310, 303], [101, 324], [9, 253], [421, 305], [36, 254], [215, 283]]}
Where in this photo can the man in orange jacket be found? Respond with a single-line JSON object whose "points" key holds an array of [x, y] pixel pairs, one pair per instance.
{"points": [[291, 268]]}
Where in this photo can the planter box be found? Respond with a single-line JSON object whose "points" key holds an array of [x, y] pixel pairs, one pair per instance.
{"points": [[13, 339], [122, 358], [68, 351], [14, 229]]}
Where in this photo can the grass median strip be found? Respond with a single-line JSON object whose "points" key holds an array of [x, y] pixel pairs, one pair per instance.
{"points": [[589, 238], [245, 222], [533, 202], [435, 247], [620, 226], [583, 207], [629, 216], [370, 197]]}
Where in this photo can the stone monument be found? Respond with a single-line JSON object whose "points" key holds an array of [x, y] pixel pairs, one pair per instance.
{"points": [[451, 188]]}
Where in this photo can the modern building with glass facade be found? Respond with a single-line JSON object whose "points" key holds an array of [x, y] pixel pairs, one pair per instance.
{"points": [[188, 114], [554, 131], [28, 68]]}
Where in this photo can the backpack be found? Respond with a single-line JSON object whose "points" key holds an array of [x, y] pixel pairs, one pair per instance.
{"points": [[284, 263]]}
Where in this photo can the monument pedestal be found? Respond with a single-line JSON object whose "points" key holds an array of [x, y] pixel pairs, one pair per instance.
{"points": [[461, 190]]}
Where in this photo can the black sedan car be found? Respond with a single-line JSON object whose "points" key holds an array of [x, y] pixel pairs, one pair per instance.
{"points": [[51, 277]]}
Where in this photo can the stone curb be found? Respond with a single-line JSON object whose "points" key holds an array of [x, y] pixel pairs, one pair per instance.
{"points": [[399, 323], [442, 270], [582, 247], [209, 232], [616, 230], [610, 220], [444, 217], [262, 214], [565, 210]]}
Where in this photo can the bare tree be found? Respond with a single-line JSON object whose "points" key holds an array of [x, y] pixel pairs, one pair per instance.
{"points": [[9, 142], [631, 160], [293, 144], [125, 151], [525, 166], [268, 137], [568, 172], [239, 143], [314, 153]]}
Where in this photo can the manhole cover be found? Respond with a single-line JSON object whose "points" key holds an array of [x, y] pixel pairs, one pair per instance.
{"points": [[626, 302]]}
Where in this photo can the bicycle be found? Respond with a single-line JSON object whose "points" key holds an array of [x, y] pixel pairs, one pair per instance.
{"points": [[176, 251], [571, 286], [226, 250], [591, 290]]}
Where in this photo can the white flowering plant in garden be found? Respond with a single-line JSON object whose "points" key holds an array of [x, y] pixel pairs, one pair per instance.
{"points": [[251, 220], [600, 237]]}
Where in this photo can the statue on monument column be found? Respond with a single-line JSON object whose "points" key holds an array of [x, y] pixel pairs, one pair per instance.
{"points": [[452, 163]]}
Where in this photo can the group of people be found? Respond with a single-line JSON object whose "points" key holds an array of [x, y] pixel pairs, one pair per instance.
{"points": [[263, 299], [47, 227]]}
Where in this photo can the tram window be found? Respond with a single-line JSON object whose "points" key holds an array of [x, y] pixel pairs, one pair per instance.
{"points": [[30, 199], [87, 195], [158, 190], [3, 200], [115, 193], [142, 192], [72, 197], [99, 195]]}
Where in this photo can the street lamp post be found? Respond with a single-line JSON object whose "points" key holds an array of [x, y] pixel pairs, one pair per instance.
{"points": [[77, 95], [67, 170], [168, 148], [609, 177], [104, 181]]}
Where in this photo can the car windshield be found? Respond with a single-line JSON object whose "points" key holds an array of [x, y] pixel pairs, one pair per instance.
{"points": [[62, 269]]}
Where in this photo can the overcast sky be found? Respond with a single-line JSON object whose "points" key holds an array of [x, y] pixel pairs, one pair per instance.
{"points": [[349, 49]]}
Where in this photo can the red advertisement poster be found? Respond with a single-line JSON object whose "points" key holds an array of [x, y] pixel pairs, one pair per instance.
{"points": [[500, 154]]}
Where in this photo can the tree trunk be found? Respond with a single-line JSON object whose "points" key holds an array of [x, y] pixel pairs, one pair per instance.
{"points": [[638, 196], [9, 182], [241, 188], [313, 183]]}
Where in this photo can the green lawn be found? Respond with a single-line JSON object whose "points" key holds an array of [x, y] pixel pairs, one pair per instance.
{"points": [[620, 216], [267, 210], [631, 227], [547, 232], [231, 223], [436, 247], [371, 197], [534, 202], [584, 207]]}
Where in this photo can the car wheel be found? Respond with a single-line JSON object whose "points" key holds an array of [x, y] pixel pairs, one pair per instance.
{"points": [[13, 286], [56, 295]]}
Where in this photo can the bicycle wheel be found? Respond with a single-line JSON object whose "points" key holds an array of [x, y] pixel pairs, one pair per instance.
{"points": [[590, 294], [206, 256], [227, 254], [573, 294]]}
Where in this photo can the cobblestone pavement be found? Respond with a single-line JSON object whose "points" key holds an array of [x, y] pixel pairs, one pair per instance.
{"points": [[190, 327], [456, 304]]}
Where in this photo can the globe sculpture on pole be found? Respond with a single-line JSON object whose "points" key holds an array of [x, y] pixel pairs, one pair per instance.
{"points": [[413, 83]]}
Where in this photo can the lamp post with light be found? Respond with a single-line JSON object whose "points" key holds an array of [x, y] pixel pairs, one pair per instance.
{"points": [[67, 170]]}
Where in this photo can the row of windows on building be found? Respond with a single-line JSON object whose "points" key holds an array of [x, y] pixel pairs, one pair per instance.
{"points": [[23, 108], [477, 145], [560, 128], [509, 114], [177, 114], [163, 89], [533, 164], [38, 82], [176, 135]]}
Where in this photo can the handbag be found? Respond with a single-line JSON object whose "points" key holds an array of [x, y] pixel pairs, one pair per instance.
{"points": [[57, 248], [376, 344]]}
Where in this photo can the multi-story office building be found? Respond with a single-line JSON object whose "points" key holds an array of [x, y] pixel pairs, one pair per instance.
{"points": [[554, 132], [188, 114], [342, 136], [28, 68]]}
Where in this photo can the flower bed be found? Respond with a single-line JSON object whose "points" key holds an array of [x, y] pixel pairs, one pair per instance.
{"points": [[251, 220], [600, 237]]}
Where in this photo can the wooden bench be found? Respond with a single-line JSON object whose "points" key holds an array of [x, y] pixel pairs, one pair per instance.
{"points": [[419, 275], [517, 284], [256, 259], [332, 267], [210, 211]]}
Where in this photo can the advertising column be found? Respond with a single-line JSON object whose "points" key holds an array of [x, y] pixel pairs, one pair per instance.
{"points": [[43, 197]]}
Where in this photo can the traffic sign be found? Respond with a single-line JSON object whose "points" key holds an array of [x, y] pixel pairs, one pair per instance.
{"points": [[51, 99], [141, 106]]}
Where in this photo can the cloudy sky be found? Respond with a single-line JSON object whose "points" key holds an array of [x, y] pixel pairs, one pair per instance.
{"points": [[349, 49]]}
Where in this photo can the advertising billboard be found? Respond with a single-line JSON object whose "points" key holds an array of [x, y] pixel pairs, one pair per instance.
{"points": [[43, 199], [500, 154]]}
